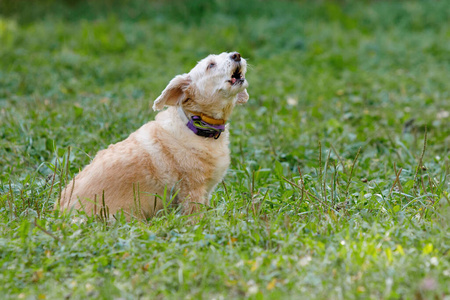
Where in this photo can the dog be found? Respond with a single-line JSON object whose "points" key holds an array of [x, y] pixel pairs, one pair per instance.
{"points": [[178, 158]]}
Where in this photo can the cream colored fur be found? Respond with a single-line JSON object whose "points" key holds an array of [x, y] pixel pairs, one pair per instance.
{"points": [[164, 156]]}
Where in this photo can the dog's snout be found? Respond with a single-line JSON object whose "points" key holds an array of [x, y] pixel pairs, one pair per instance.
{"points": [[236, 56]]}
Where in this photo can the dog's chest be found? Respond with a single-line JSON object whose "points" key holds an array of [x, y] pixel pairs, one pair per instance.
{"points": [[179, 155], [209, 161], [219, 170]]}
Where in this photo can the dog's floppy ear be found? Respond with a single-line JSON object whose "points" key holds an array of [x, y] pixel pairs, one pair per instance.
{"points": [[173, 92], [242, 97]]}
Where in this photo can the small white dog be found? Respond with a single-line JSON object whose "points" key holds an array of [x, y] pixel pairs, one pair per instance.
{"points": [[184, 151]]}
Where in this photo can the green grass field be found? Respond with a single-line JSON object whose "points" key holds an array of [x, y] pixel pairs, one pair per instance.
{"points": [[339, 181]]}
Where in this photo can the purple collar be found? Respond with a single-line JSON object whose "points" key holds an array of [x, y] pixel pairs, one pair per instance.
{"points": [[200, 127]]}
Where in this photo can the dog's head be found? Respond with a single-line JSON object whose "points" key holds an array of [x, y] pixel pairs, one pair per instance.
{"points": [[212, 87]]}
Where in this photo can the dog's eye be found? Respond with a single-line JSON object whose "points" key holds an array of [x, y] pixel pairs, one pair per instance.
{"points": [[211, 65]]}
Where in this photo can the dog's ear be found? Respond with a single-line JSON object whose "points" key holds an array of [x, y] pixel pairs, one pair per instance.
{"points": [[242, 97], [173, 92]]}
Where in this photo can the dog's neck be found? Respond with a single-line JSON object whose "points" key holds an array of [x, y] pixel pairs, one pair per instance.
{"points": [[201, 124], [204, 117], [217, 107]]}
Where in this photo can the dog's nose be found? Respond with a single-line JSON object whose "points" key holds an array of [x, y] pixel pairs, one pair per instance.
{"points": [[236, 56]]}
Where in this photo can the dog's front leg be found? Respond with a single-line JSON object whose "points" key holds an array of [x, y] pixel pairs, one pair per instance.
{"points": [[194, 201]]}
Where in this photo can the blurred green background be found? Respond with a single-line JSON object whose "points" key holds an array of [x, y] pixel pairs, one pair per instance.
{"points": [[355, 70], [348, 92]]}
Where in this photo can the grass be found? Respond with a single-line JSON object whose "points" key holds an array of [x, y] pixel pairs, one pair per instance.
{"points": [[339, 182]]}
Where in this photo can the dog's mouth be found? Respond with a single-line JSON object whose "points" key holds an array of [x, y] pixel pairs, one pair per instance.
{"points": [[237, 77]]}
